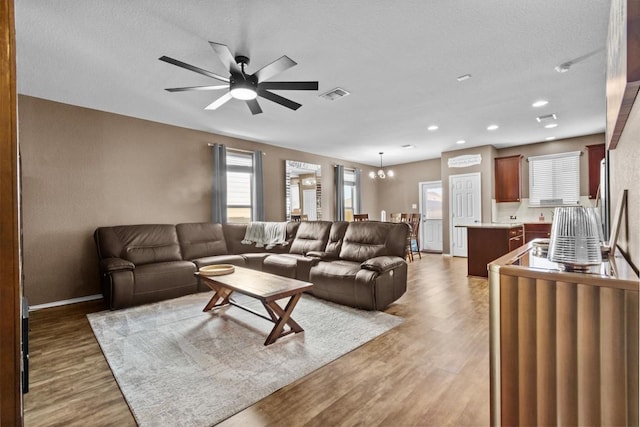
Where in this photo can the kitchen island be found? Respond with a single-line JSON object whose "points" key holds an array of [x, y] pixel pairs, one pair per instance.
{"points": [[489, 241]]}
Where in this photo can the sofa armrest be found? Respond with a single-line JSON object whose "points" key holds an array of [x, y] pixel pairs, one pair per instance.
{"points": [[381, 264], [322, 256], [109, 265]]}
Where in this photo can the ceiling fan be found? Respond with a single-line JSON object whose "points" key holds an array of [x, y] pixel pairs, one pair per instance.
{"points": [[243, 86]]}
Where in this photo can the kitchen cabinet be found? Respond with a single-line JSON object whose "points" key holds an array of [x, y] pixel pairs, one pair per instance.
{"points": [[596, 154], [536, 230], [487, 242], [508, 178]]}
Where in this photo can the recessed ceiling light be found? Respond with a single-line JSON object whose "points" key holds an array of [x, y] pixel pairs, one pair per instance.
{"points": [[408, 146], [492, 127], [432, 127], [540, 103], [463, 77], [551, 125], [461, 141], [550, 138]]}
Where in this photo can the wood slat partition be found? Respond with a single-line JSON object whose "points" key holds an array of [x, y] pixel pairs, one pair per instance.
{"points": [[567, 352]]}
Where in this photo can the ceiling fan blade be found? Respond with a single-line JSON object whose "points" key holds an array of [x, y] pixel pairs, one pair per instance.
{"points": [[184, 89], [276, 67], [289, 85], [193, 68], [218, 102], [279, 99], [254, 106], [225, 56]]}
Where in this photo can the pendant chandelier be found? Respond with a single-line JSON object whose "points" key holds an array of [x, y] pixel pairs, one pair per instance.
{"points": [[381, 172]]}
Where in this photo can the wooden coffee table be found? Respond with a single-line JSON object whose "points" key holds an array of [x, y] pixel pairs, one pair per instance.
{"points": [[265, 287]]}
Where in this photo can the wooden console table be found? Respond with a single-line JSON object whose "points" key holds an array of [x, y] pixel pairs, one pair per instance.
{"points": [[564, 345]]}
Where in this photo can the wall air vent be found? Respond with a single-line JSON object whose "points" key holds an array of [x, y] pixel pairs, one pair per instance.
{"points": [[547, 118], [334, 94]]}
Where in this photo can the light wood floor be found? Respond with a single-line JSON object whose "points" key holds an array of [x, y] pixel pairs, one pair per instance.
{"points": [[431, 370]]}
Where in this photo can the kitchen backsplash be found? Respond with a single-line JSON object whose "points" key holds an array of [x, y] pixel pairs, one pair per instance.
{"points": [[521, 212]]}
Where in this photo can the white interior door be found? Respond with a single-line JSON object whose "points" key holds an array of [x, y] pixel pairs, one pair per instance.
{"points": [[431, 213], [464, 199]]}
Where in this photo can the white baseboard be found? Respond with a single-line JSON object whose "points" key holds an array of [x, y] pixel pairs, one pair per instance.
{"points": [[65, 302]]}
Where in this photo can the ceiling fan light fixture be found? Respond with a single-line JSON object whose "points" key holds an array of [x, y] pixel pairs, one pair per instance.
{"points": [[243, 94], [244, 90], [243, 86]]}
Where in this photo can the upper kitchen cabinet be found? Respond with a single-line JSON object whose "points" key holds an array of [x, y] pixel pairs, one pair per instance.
{"points": [[508, 178], [596, 154]]}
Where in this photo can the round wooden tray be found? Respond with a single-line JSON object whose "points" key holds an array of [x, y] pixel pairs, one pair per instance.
{"points": [[217, 270]]}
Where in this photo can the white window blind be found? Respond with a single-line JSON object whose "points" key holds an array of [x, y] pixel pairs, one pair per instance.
{"points": [[239, 189], [554, 179]]}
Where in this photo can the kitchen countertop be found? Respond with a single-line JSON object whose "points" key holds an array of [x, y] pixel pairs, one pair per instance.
{"points": [[507, 225]]}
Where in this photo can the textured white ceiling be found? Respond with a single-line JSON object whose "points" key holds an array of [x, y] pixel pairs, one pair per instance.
{"points": [[399, 60]]}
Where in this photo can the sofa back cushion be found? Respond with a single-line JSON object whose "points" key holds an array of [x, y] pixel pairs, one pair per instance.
{"points": [[311, 236], [234, 234], [336, 237], [201, 239], [140, 244], [368, 239]]}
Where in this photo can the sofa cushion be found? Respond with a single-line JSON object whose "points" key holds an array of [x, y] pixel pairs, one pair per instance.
{"points": [[295, 266], [335, 269], [151, 278], [311, 236], [254, 261], [140, 244], [202, 239], [336, 237], [383, 263], [364, 240], [368, 239]]}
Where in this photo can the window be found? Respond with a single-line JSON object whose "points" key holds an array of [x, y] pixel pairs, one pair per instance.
{"points": [[554, 179], [351, 194], [239, 186]]}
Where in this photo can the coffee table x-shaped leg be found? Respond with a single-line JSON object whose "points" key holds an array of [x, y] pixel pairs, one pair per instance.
{"points": [[277, 315]]}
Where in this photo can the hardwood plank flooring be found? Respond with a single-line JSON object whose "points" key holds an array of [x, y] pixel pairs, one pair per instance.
{"points": [[431, 370]]}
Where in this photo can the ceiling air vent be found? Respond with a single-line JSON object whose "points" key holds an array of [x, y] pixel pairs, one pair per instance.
{"points": [[334, 94], [547, 118]]}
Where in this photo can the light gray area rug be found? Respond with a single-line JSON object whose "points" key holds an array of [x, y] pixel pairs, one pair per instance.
{"points": [[177, 365]]}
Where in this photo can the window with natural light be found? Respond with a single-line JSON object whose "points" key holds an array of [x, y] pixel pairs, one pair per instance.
{"points": [[239, 181], [554, 179], [350, 194]]}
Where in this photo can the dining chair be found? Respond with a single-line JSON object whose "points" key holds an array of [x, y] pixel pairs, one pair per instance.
{"points": [[414, 222], [361, 217], [395, 217]]}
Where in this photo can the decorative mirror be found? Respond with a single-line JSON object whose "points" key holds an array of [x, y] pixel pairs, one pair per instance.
{"points": [[303, 191]]}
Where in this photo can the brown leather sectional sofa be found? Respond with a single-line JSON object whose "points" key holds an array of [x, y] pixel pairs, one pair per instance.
{"points": [[360, 264]]}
